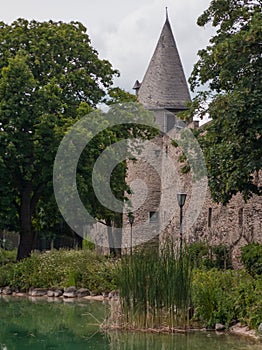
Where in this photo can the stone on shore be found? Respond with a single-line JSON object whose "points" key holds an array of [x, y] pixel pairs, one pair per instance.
{"points": [[39, 292], [7, 291], [82, 292], [219, 327], [70, 292], [58, 293]]}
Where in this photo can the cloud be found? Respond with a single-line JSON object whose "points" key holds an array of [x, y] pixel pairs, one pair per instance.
{"points": [[129, 43], [124, 32]]}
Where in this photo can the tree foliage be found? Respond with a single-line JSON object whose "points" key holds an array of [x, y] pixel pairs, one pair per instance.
{"points": [[50, 78], [231, 68], [47, 70]]}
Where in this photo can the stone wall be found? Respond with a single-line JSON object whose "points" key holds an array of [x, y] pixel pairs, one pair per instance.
{"points": [[234, 225]]}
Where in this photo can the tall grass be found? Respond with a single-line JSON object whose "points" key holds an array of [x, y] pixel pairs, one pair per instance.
{"points": [[155, 288]]}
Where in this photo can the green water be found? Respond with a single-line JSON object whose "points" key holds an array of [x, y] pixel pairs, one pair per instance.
{"points": [[25, 324]]}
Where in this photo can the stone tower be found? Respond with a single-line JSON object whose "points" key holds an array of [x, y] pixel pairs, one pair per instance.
{"points": [[163, 91], [164, 85], [155, 180]]}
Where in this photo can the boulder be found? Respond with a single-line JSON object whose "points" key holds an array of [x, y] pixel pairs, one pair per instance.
{"points": [[30, 291], [58, 293], [7, 291], [260, 328], [219, 327], [82, 292], [50, 293], [70, 292], [38, 292], [114, 294]]}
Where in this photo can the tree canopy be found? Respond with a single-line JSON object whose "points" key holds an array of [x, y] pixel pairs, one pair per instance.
{"points": [[47, 71], [231, 69]]}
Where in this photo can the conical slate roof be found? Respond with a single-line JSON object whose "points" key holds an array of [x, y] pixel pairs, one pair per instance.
{"points": [[164, 84]]}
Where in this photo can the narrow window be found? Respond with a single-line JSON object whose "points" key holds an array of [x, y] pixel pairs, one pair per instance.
{"points": [[240, 217], [153, 217], [209, 219], [157, 152], [170, 122]]}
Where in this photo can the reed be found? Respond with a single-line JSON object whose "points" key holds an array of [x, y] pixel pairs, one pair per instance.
{"points": [[155, 289]]}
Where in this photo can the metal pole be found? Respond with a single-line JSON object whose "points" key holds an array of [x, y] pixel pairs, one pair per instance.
{"points": [[181, 230], [131, 239]]}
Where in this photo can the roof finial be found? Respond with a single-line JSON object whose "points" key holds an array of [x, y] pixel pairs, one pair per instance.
{"points": [[166, 13]]}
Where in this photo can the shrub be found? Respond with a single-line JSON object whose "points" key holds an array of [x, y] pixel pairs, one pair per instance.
{"points": [[7, 256], [222, 255], [6, 273], [251, 257], [226, 297], [198, 253], [205, 256], [61, 269]]}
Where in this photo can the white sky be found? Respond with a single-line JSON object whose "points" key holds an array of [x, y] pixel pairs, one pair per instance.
{"points": [[124, 32]]}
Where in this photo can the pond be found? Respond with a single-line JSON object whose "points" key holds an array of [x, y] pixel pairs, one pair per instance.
{"points": [[39, 324]]}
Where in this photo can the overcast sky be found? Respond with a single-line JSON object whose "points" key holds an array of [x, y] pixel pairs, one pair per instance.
{"points": [[124, 32]]}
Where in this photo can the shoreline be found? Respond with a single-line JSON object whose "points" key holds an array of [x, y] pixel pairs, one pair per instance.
{"points": [[237, 330], [44, 297]]}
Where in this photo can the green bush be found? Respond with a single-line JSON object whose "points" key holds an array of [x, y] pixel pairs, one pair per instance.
{"points": [[204, 256], [82, 268], [226, 297], [7, 256], [6, 273], [222, 256], [198, 253], [251, 257]]}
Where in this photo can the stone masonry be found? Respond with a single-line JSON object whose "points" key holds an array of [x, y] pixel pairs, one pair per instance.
{"points": [[164, 90]]}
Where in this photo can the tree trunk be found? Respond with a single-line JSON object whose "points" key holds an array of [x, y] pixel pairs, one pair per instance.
{"points": [[114, 241], [110, 238], [26, 233], [79, 241]]}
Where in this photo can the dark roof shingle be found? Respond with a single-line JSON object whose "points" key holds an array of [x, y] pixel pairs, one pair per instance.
{"points": [[164, 84]]}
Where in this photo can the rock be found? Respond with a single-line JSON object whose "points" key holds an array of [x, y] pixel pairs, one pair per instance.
{"points": [[58, 293], [220, 327], [54, 293], [70, 292], [30, 291], [69, 295], [39, 292], [113, 294], [70, 289], [7, 291], [50, 293], [82, 292], [260, 328]]}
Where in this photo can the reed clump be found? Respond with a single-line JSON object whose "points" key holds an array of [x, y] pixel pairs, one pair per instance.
{"points": [[155, 289]]}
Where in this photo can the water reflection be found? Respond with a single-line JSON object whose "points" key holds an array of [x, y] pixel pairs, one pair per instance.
{"points": [[48, 324], [191, 341], [44, 325]]}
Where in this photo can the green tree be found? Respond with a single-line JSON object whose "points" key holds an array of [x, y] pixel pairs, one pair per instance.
{"points": [[231, 69], [46, 71], [138, 123]]}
